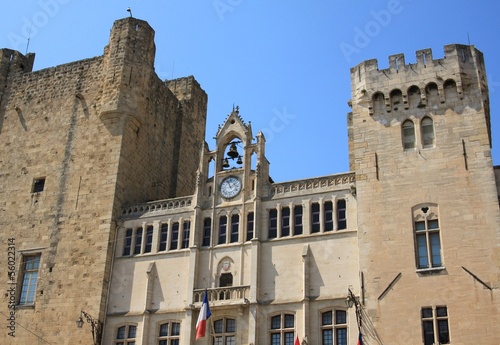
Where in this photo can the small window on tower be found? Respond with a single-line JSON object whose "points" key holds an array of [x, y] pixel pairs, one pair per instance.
{"points": [[38, 185]]}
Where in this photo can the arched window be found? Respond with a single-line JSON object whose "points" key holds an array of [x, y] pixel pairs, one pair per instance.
{"points": [[427, 236], [432, 93], [408, 135], [334, 327], [396, 99], [169, 333], [450, 90], [226, 279], [125, 335], [225, 331], [282, 329], [414, 98], [378, 103], [427, 129]]}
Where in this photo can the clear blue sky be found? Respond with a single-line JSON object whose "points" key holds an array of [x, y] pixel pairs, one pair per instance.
{"points": [[285, 63]]}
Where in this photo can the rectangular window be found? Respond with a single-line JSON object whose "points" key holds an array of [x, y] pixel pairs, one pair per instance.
{"points": [[128, 242], [328, 210], [334, 329], [283, 329], [38, 185], [273, 223], [185, 234], [432, 320], [149, 239], [249, 226], [169, 334], [341, 215], [207, 231], [315, 223], [297, 220], [175, 236], [138, 241], [285, 221], [428, 243], [30, 267], [235, 227], [222, 230], [163, 237]]}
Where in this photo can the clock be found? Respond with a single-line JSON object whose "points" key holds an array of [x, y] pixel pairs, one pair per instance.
{"points": [[230, 187]]}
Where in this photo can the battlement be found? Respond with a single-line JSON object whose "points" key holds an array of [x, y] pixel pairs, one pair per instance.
{"points": [[454, 54], [458, 78], [185, 88], [461, 64], [13, 62]]}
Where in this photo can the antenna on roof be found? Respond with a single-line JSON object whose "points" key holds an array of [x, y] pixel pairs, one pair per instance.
{"points": [[29, 38], [468, 38]]}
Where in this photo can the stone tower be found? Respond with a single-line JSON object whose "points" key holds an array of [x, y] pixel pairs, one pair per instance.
{"points": [[75, 140], [428, 215]]}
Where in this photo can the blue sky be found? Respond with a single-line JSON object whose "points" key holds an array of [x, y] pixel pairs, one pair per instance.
{"points": [[285, 63]]}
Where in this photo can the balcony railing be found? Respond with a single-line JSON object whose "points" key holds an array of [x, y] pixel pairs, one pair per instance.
{"points": [[228, 293]]}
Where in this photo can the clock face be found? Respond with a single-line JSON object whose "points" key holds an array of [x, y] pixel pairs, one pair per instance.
{"points": [[230, 187]]}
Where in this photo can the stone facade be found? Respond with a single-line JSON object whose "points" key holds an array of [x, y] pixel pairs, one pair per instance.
{"points": [[442, 166], [89, 131], [107, 181], [299, 268]]}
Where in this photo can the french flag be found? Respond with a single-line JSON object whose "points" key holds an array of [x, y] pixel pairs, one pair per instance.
{"points": [[297, 342], [201, 324], [360, 339]]}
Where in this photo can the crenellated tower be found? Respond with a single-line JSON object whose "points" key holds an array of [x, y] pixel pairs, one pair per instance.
{"points": [[90, 137], [419, 143]]}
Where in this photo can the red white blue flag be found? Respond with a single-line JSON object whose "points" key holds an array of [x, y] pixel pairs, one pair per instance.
{"points": [[201, 324], [297, 342], [360, 339]]}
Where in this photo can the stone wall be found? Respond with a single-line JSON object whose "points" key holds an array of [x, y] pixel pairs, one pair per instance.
{"points": [[101, 132], [454, 173]]}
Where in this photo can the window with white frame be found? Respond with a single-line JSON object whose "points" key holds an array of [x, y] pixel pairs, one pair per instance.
{"points": [[125, 335], [169, 333], [334, 327], [435, 329], [427, 237], [282, 329], [30, 267], [224, 332]]}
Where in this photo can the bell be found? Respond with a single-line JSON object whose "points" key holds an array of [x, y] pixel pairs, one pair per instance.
{"points": [[233, 152], [239, 161], [225, 163]]}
